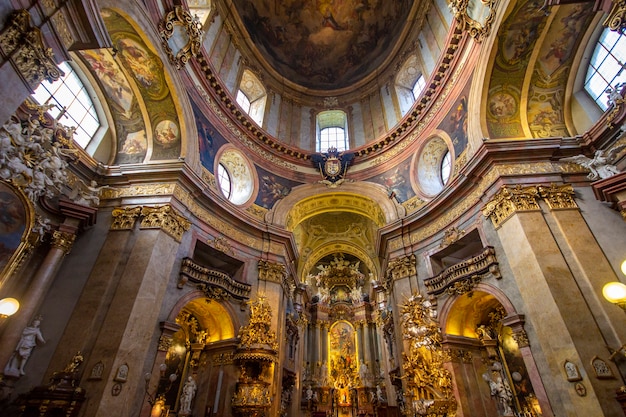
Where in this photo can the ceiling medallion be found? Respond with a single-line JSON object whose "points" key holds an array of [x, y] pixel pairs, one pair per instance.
{"points": [[181, 36], [333, 166]]}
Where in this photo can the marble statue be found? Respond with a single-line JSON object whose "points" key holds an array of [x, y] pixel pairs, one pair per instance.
{"points": [[30, 336], [189, 392], [501, 390], [88, 195], [600, 166]]}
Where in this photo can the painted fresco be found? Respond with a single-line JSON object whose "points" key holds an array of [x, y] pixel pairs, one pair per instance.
{"points": [[546, 98], [397, 181], [272, 188], [326, 44], [209, 140], [547, 92], [123, 104], [455, 122], [12, 223], [342, 349], [146, 73]]}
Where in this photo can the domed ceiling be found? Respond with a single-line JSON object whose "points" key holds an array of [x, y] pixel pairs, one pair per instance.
{"points": [[324, 44]]}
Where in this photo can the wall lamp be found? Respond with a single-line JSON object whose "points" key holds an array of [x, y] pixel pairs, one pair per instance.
{"points": [[8, 307], [157, 401], [615, 292]]}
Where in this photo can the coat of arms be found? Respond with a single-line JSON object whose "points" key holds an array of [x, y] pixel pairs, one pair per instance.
{"points": [[332, 165]]}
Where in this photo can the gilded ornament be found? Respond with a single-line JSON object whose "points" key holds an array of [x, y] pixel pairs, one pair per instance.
{"points": [[616, 20], [558, 196], [521, 338], [509, 201], [450, 236], [221, 244], [25, 47], [180, 27], [212, 280], [137, 190], [124, 218], [463, 286], [63, 240], [400, 268], [466, 274], [223, 359], [164, 343], [165, 218], [272, 272]]}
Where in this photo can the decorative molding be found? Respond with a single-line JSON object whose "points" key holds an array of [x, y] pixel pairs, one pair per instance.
{"points": [[223, 359], [221, 244], [137, 190], [477, 30], [616, 20], [165, 218], [272, 272], [172, 37], [25, 48], [124, 218], [509, 201], [209, 279], [521, 338], [558, 196], [450, 236], [165, 343], [463, 276], [63, 240], [400, 268]]}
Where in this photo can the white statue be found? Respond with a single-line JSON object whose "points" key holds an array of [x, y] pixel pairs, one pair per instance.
{"points": [[363, 372], [86, 194], [323, 294], [613, 94], [189, 392], [601, 165], [324, 374], [356, 295], [30, 336], [503, 393]]}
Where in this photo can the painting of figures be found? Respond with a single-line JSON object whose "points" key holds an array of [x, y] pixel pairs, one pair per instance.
{"points": [[12, 223]]}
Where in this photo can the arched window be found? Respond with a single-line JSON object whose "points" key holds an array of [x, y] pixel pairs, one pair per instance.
{"points": [[332, 131], [251, 96], [446, 167], [223, 179], [410, 83], [69, 95], [607, 67]]}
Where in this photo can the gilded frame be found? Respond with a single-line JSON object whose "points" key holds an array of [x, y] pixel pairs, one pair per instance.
{"points": [[178, 27], [26, 244], [477, 29]]}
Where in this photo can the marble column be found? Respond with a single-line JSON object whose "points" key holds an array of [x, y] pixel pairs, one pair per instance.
{"points": [[61, 243]]}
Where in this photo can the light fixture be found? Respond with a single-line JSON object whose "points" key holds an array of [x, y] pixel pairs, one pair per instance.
{"points": [[623, 267], [615, 292], [8, 307]]}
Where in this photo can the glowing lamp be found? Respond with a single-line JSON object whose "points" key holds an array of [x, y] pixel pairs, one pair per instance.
{"points": [[8, 307]]}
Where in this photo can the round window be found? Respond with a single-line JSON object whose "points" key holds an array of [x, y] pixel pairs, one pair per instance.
{"points": [[234, 177]]}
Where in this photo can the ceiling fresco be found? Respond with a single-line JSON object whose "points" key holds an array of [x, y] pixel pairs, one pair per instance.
{"points": [[324, 44]]}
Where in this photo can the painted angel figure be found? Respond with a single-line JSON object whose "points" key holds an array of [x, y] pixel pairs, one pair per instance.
{"points": [[601, 165]]}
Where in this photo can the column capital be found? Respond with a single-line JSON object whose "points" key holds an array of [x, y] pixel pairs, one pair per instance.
{"points": [[399, 268], [510, 200], [558, 196], [63, 240], [124, 218], [272, 271], [165, 218]]}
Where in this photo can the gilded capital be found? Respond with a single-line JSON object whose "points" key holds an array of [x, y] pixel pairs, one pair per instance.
{"points": [[165, 343], [124, 218], [558, 196], [509, 200], [165, 218], [521, 338], [63, 240], [272, 272], [403, 267]]}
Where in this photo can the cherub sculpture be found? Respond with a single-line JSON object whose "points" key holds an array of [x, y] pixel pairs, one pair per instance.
{"points": [[86, 194], [601, 165]]}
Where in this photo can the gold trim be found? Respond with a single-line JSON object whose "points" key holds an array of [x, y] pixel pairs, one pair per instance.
{"points": [[509, 201], [477, 30], [272, 272], [165, 218], [177, 18], [558, 196], [124, 218], [616, 20], [63, 240]]}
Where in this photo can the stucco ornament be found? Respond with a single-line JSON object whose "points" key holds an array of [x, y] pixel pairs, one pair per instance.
{"points": [[601, 165], [34, 157]]}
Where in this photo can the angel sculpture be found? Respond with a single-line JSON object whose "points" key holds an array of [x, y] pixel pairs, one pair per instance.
{"points": [[86, 194], [601, 164]]}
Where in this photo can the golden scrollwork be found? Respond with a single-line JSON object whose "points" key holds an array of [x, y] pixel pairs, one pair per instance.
{"points": [[478, 27], [509, 200], [258, 331], [164, 343], [180, 27], [63, 240], [221, 244], [450, 236], [165, 218], [558, 196], [24, 45], [521, 338], [463, 286], [222, 358], [616, 20], [272, 272], [403, 267], [137, 190], [124, 218]]}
